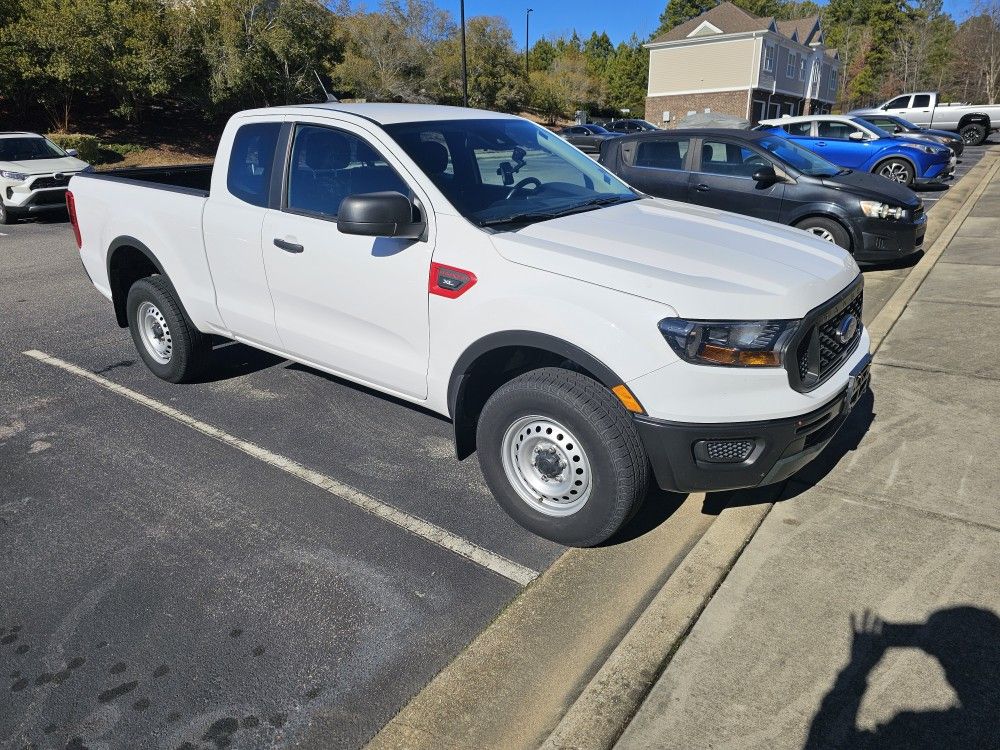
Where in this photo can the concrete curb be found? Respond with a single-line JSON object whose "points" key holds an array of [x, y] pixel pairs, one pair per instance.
{"points": [[893, 308], [608, 703]]}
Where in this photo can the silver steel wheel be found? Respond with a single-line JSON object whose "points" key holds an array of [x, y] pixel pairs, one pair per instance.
{"points": [[154, 332], [823, 234], [546, 465], [895, 171]]}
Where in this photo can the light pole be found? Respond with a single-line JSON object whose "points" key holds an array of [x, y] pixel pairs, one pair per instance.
{"points": [[465, 68], [527, 18]]}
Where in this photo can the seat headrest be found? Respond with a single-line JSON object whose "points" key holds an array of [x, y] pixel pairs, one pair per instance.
{"points": [[326, 149], [431, 156]]}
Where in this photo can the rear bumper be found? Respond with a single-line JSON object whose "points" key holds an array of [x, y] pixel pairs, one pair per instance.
{"points": [[883, 239], [765, 452]]}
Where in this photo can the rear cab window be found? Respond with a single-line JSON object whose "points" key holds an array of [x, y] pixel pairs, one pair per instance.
{"points": [[251, 161]]}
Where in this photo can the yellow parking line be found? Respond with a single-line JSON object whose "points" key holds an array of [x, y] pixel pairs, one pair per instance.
{"points": [[424, 529]]}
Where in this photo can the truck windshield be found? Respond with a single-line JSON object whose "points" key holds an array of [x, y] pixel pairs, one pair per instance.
{"points": [[29, 148], [801, 158], [506, 171]]}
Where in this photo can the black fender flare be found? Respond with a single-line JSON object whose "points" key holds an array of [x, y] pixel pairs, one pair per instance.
{"points": [[980, 118], [130, 242], [457, 383]]}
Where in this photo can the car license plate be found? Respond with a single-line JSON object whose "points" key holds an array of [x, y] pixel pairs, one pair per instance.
{"points": [[858, 380]]}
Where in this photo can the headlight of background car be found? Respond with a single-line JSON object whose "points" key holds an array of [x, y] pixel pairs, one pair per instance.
{"points": [[877, 210], [733, 343], [16, 176]]}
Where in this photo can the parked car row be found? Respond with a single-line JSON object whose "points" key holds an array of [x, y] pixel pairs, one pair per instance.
{"points": [[34, 173], [973, 122]]}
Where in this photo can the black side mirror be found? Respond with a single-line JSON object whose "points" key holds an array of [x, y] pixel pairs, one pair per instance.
{"points": [[766, 175], [386, 214]]}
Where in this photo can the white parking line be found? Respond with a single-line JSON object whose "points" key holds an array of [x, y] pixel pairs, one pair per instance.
{"points": [[424, 529]]}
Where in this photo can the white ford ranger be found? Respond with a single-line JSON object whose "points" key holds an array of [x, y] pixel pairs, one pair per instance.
{"points": [[581, 336]]}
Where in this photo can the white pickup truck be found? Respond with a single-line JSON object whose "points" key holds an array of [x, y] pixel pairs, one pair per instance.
{"points": [[974, 122], [581, 336]]}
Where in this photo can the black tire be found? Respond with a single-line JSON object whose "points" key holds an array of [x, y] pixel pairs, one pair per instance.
{"points": [[973, 134], [7, 216], [606, 435], [895, 170], [827, 229], [188, 347]]}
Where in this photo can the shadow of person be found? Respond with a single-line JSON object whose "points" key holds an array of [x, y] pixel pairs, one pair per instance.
{"points": [[966, 643]]}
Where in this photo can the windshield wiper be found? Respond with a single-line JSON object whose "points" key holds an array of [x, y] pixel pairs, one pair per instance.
{"points": [[545, 215]]}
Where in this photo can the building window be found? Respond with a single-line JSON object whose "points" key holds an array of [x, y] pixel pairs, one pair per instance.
{"points": [[833, 79], [802, 68], [790, 68], [769, 55]]}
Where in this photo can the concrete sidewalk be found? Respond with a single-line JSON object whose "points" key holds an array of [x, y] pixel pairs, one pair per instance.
{"points": [[866, 610]]}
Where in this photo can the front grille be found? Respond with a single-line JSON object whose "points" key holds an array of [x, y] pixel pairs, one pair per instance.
{"points": [[42, 183], [820, 351]]}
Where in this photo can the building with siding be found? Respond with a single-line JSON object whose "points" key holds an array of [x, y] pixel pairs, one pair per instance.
{"points": [[728, 61]]}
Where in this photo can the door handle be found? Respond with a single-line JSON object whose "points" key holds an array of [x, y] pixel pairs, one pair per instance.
{"points": [[820, 143], [702, 188], [288, 247]]}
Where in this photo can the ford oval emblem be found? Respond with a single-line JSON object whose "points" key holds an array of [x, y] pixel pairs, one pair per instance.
{"points": [[846, 328]]}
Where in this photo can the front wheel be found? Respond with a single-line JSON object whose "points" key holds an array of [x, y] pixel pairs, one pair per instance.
{"points": [[562, 456], [172, 348], [896, 170], [973, 134], [826, 229]]}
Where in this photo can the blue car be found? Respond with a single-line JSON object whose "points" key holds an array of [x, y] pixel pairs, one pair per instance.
{"points": [[855, 143]]}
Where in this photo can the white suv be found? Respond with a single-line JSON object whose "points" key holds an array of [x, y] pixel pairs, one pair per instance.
{"points": [[34, 173]]}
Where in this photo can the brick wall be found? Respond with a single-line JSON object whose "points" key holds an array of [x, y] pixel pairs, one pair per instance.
{"points": [[678, 105]]}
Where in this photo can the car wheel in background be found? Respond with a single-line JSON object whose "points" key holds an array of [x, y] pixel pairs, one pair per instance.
{"points": [[826, 229], [562, 456], [172, 348], [6, 215], [896, 170], [973, 134]]}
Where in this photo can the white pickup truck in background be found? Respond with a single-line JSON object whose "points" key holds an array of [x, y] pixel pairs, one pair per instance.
{"points": [[974, 122], [581, 336]]}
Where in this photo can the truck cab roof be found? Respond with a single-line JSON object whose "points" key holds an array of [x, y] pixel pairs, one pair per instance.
{"points": [[387, 113]]}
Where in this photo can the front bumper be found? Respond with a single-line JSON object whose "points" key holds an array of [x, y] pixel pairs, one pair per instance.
{"points": [[680, 452], [885, 239], [938, 172]]}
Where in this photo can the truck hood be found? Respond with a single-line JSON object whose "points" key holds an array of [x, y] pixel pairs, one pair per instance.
{"points": [[45, 166], [701, 262]]}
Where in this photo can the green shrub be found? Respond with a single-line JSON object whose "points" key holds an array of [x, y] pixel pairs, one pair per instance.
{"points": [[86, 145]]}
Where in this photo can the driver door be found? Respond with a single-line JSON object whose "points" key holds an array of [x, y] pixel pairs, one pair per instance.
{"points": [[350, 304], [723, 179]]}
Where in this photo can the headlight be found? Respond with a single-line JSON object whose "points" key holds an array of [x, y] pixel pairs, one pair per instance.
{"points": [[731, 343], [932, 150], [16, 176], [876, 210]]}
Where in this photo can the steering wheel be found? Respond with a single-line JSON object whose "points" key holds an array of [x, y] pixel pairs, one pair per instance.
{"points": [[522, 184]]}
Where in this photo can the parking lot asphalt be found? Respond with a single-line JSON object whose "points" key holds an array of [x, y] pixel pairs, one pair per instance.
{"points": [[166, 588]]}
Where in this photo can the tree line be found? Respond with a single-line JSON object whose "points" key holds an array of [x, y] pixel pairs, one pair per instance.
{"points": [[218, 56]]}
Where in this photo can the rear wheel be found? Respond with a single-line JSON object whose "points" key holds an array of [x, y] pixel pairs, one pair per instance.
{"points": [[172, 348], [826, 229], [973, 134], [562, 456], [896, 170]]}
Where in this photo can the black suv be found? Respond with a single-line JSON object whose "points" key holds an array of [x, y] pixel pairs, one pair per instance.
{"points": [[764, 175]]}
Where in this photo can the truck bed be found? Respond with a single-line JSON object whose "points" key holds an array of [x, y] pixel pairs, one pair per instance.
{"points": [[188, 178]]}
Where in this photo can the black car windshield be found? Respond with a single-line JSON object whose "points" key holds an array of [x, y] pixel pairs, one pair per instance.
{"points": [[29, 148], [801, 158], [506, 171], [907, 125], [873, 127]]}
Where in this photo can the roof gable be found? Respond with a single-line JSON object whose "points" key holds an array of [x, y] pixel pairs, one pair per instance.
{"points": [[726, 18]]}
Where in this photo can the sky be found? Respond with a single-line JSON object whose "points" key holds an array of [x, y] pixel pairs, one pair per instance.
{"points": [[620, 19]]}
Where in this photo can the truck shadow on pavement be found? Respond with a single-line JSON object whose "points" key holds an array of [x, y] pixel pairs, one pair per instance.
{"points": [[964, 640]]}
